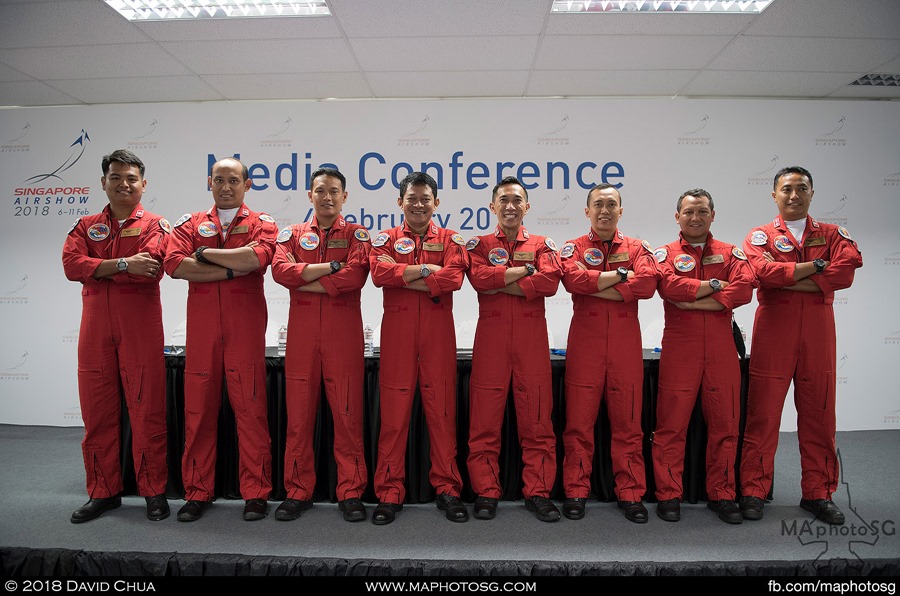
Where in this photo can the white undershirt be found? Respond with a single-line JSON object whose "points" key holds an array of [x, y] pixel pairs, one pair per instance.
{"points": [[797, 228], [225, 217]]}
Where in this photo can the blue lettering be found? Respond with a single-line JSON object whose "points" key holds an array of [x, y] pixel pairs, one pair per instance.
{"points": [[455, 164], [291, 170], [521, 174], [362, 170], [395, 178], [502, 165], [553, 165], [471, 174], [442, 221], [605, 174], [580, 178]]}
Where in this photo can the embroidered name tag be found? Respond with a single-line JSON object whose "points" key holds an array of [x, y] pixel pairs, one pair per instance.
{"points": [[710, 259], [126, 232]]}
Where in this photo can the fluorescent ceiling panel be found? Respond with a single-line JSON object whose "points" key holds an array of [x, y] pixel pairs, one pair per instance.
{"points": [[661, 6], [165, 10]]}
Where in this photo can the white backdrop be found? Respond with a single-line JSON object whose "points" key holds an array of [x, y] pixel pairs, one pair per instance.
{"points": [[656, 149]]}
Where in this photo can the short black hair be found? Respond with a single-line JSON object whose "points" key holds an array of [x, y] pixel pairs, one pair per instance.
{"points": [[694, 192], [506, 182], [603, 186], [122, 156], [792, 170], [418, 179], [328, 172]]}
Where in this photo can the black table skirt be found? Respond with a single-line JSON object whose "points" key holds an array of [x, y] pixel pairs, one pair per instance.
{"points": [[418, 487]]}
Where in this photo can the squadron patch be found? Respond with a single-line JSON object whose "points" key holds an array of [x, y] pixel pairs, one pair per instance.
{"points": [[207, 229], [98, 232], [550, 244], [661, 254], [165, 225], [685, 263], [404, 245], [758, 238], [380, 240], [182, 219], [647, 246], [593, 256], [284, 235], [783, 244], [738, 253], [361, 234], [567, 251], [498, 256], [843, 232], [473, 242], [458, 239], [266, 217], [309, 241]]}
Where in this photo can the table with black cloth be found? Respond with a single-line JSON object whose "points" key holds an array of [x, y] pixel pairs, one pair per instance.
{"points": [[418, 488]]}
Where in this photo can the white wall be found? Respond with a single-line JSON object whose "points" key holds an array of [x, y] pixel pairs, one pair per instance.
{"points": [[655, 148]]}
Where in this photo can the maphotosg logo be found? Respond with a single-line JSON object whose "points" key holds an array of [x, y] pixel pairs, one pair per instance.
{"points": [[848, 541], [278, 139], [72, 413], [415, 138], [16, 293], [15, 143], [832, 138], [47, 193], [765, 176], [892, 339], [16, 372], [556, 214], [554, 135], [693, 137], [837, 215], [146, 140]]}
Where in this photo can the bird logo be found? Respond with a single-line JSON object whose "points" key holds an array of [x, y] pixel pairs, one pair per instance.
{"points": [[22, 135], [840, 125], [703, 122], [70, 161]]}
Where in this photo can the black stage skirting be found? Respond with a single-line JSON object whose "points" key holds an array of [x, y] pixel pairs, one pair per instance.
{"points": [[418, 487]]}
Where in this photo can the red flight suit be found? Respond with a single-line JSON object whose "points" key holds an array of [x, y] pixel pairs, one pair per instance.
{"points": [[418, 346], [325, 340], [794, 340], [604, 358], [698, 354], [226, 337], [511, 345], [120, 341]]}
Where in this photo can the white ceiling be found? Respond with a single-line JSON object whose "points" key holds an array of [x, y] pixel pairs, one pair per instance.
{"points": [[63, 52]]}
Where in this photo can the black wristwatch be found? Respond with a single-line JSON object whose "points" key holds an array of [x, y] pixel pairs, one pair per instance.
{"points": [[122, 265], [715, 284], [623, 274], [529, 268], [820, 265], [425, 271], [335, 266]]}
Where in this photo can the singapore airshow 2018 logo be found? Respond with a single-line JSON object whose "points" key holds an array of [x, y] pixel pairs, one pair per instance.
{"points": [[278, 138], [414, 137], [15, 292], [145, 140], [837, 215], [764, 176], [892, 180], [554, 133], [556, 213], [49, 193], [832, 138], [693, 137], [17, 369], [15, 143]]}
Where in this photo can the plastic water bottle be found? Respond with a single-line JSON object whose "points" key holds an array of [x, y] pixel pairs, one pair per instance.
{"points": [[282, 340], [368, 341]]}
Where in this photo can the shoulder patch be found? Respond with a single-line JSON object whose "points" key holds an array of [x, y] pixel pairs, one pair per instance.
{"points": [[661, 254], [646, 246], [473, 242], [738, 253], [567, 251], [361, 234], [266, 217], [458, 239], [758, 238], [182, 219], [284, 235], [380, 240], [165, 225], [550, 244], [843, 232]]}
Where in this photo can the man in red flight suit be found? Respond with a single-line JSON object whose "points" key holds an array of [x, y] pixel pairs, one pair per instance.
{"points": [[606, 273], [799, 263], [512, 271], [702, 280], [419, 265], [117, 256], [223, 252], [324, 263]]}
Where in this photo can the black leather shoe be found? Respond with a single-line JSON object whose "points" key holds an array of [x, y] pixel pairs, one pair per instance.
{"points": [[728, 511], [543, 508], [192, 511], [669, 510], [752, 508], [290, 509], [485, 507], [573, 507], [157, 507], [93, 508], [385, 513], [454, 508], [634, 511], [353, 510], [255, 509], [824, 509]]}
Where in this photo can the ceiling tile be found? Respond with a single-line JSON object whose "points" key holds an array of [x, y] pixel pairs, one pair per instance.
{"points": [[33, 93], [445, 53], [290, 86], [503, 83], [623, 52], [138, 90], [608, 82], [266, 56], [93, 61]]}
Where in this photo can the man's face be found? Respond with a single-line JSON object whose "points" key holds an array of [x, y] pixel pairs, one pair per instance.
{"points": [[418, 204], [124, 185], [327, 197], [695, 218], [510, 206], [793, 194], [228, 184], [604, 210]]}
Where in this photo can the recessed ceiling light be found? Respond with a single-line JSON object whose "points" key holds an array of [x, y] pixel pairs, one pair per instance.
{"points": [[662, 6], [165, 10], [878, 80]]}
